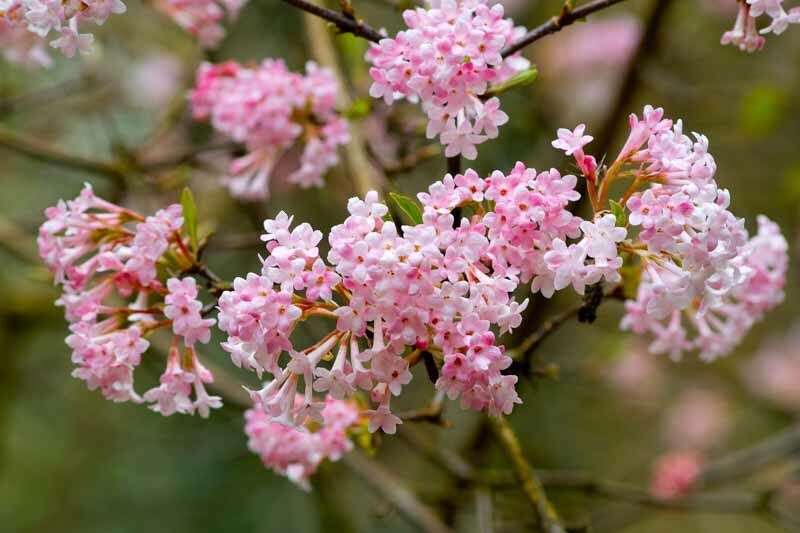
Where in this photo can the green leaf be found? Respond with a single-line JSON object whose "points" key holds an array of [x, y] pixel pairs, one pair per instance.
{"points": [[358, 110], [189, 216], [408, 206], [526, 77], [619, 214]]}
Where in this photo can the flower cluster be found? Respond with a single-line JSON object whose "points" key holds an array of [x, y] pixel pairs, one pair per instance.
{"points": [[201, 18], [64, 19], [296, 452], [268, 109], [113, 298], [699, 270], [746, 36], [447, 59], [20, 46], [441, 288]]}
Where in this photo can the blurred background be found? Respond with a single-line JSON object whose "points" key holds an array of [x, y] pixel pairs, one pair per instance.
{"points": [[72, 462]]}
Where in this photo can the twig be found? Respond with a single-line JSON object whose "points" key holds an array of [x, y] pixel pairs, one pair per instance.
{"points": [[398, 494], [43, 152], [613, 490], [344, 23], [565, 18], [744, 462], [530, 343], [525, 476]]}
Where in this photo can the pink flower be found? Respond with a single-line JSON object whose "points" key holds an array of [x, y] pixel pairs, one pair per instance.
{"points": [[674, 475], [572, 141], [183, 308], [461, 140]]}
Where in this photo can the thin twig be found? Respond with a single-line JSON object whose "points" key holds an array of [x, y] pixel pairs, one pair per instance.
{"points": [[529, 344], [380, 479], [565, 18], [45, 153], [749, 460], [344, 23], [526, 477]]}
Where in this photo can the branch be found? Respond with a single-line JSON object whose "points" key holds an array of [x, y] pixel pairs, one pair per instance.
{"points": [[398, 494], [728, 503], [530, 484], [746, 461], [565, 18], [529, 345], [344, 23], [45, 153]]}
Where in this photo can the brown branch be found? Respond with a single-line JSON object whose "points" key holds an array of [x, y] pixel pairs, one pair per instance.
{"points": [[524, 350], [529, 483], [40, 151], [744, 462], [565, 18], [380, 479], [344, 23]]}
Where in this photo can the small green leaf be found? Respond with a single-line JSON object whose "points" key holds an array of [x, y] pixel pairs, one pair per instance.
{"points": [[619, 214], [358, 110], [526, 77], [408, 206], [189, 216]]}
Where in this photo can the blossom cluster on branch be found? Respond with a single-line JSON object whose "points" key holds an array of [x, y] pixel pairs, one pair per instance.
{"points": [[109, 261], [443, 289], [65, 20], [201, 18], [447, 60], [25, 24], [746, 36], [268, 109], [702, 281]]}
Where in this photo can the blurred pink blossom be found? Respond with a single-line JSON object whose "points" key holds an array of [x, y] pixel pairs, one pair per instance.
{"points": [[674, 475], [154, 81], [698, 419], [581, 65], [774, 373], [636, 373], [22, 47]]}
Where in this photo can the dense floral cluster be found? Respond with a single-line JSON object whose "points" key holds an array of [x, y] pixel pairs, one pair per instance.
{"points": [[201, 18], [296, 452], [113, 298], [699, 269], [268, 109], [439, 286], [55, 17], [746, 36], [447, 59]]}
